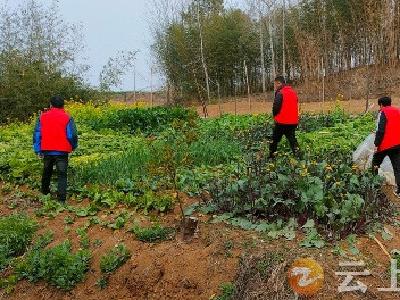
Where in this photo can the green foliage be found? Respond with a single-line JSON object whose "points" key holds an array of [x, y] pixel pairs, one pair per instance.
{"points": [[312, 239], [58, 266], [229, 37], [36, 55], [120, 220], [227, 291], [114, 259], [69, 220], [153, 201], [213, 152], [111, 261], [324, 185], [50, 208], [146, 120], [82, 232], [222, 160], [119, 169], [152, 234], [16, 233]]}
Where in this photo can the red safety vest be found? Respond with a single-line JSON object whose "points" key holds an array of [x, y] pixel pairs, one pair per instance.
{"points": [[53, 129], [289, 114], [392, 129]]}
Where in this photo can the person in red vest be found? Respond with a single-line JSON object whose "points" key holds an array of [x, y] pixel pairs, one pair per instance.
{"points": [[286, 116], [387, 139], [54, 137]]}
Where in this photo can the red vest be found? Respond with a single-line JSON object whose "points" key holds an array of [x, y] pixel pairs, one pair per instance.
{"points": [[289, 114], [392, 129], [53, 129]]}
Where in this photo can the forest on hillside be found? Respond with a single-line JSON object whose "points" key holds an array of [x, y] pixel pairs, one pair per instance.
{"points": [[208, 49]]}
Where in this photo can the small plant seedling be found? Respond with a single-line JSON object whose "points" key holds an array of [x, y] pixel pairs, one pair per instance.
{"points": [[69, 220], [114, 258], [228, 246], [82, 232], [95, 220], [226, 291], [120, 221], [111, 261], [102, 282]]}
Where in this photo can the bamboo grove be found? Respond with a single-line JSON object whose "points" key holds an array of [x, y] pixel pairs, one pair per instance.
{"points": [[209, 49]]}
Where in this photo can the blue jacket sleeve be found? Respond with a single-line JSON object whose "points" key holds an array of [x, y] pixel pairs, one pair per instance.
{"points": [[37, 138], [72, 134]]}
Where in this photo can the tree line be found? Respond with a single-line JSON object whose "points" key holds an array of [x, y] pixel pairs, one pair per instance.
{"points": [[41, 56], [207, 50]]}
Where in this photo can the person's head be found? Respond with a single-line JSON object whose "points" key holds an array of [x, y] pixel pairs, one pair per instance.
{"points": [[57, 102], [384, 101], [279, 82]]}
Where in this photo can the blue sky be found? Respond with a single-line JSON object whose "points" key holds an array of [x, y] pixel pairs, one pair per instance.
{"points": [[108, 27]]}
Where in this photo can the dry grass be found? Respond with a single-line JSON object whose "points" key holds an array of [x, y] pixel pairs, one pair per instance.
{"points": [[263, 277]]}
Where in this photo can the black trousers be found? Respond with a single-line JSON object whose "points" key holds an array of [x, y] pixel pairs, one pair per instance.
{"points": [[284, 130], [61, 163], [394, 155]]}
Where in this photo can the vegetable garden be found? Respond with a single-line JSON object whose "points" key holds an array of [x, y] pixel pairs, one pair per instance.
{"points": [[135, 167]]}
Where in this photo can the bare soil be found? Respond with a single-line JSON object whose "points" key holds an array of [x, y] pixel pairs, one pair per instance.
{"points": [[194, 270], [260, 105]]}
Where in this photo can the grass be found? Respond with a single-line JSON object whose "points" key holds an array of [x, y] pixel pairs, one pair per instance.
{"points": [[16, 233], [128, 165]]}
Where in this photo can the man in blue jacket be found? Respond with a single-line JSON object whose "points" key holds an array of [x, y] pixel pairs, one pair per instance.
{"points": [[54, 137]]}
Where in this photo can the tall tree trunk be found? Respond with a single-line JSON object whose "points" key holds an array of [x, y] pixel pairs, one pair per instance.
{"points": [[271, 46], [262, 55], [203, 59]]}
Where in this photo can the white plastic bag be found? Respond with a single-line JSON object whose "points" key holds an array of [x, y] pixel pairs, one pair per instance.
{"points": [[386, 170], [362, 157]]}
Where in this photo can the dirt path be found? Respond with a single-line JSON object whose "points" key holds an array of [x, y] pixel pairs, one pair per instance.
{"points": [[260, 106]]}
